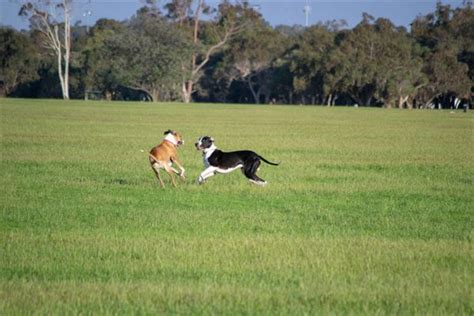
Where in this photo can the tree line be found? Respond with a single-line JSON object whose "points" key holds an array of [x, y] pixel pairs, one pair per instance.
{"points": [[191, 52]]}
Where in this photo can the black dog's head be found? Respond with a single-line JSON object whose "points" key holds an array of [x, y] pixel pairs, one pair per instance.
{"points": [[204, 142]]}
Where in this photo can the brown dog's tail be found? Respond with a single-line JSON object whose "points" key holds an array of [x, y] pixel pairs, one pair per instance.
{"points": [[153, 158], [269, 162], [150, 156]]}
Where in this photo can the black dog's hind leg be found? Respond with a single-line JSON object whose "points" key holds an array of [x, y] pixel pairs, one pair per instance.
{"points": [[250, 170]]}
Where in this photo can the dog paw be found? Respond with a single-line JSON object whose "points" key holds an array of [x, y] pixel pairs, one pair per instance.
{"points": [[260, 183]]}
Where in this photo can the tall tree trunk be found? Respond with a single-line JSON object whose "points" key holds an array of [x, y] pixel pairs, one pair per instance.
{"points": [[67, 48], [108, 95], [368, 102], [187, 90], [59, 57], [355, 98], [329, 100], [52, 39], [63, 72], [401, 101], [255, 94], [155, 94], [267, 98], [188, 84]]}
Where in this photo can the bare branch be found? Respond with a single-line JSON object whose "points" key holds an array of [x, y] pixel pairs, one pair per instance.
{"points": [[212, 49]]}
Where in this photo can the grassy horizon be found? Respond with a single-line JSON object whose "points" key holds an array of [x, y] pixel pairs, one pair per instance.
{"points": [[370, 211]]}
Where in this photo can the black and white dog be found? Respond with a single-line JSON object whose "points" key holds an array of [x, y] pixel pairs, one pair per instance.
{"points": [[218, 161]]}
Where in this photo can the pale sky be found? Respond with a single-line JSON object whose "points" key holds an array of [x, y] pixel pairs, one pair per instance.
{"points": [[400, 12]]}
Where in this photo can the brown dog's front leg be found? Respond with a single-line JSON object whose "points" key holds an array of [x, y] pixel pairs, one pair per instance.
{"points": [[181, 174]]}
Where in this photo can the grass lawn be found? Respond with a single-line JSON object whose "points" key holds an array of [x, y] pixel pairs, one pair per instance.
{"points": [[370, 212]]}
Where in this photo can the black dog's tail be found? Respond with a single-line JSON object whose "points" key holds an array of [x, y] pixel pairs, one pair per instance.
{"points": [[269, 162]]}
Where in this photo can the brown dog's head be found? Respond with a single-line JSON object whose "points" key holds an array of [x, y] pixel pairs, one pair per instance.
{"points": [[174, 137]]}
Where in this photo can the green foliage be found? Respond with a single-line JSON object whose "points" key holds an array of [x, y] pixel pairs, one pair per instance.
{"points": [[145, 54], [229, 53], [447, 74], [353, 221], [19, 59], [251, 56], [448, 36], [377, 63], [99, 60], [154, 53], [310, 61]]}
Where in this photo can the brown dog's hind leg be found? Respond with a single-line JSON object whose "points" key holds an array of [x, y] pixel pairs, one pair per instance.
{"points": [[170, 172], [156, 170]]}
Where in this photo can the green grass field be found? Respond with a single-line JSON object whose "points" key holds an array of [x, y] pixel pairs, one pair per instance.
{"points": [[370, 212]]}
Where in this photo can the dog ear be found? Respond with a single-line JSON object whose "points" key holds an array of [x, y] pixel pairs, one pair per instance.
{"points": [[167, 132], [212, 139]]}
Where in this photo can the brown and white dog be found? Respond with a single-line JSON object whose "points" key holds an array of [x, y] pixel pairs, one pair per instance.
{"points": [[163, 155]]}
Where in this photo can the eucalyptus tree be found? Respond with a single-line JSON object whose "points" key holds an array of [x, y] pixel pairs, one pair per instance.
{"points": [[448, 38], [309, 60], [462, 25], [399, 66], [376, 63], [447, 76], [100, 57], [206, 37], [251, 56], [151, 54], [52, 19], [19, 59], [357, 63]]}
